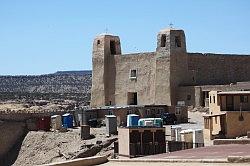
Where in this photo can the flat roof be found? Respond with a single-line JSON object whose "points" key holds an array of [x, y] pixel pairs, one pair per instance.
{"points": [[127, 106], [234, 93], [212, 115]]}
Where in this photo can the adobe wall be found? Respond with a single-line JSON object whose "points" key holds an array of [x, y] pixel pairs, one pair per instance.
{"points": [[214, 107], [235, 87], [216, 122], [11, 134], [245, 106], [171, 65], [103, 73], [143, 63], [183, 92], [196, 92], [162, 80], [236, 127], [160, 74], [183, 116], [219, 68]]}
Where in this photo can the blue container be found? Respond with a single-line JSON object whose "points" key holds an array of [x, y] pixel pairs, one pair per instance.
{"points": [[132, 120], [156, 122], [67, 120], [141, 122]]}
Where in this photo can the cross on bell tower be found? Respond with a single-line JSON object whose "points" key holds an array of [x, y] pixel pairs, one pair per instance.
{"points": [[171, 25], [106, 30]]}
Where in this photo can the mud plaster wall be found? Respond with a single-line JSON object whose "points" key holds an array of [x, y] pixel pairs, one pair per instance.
{"points": [[144, 83]]}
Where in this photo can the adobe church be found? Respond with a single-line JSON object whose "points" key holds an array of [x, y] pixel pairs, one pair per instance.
{"points": [[168, 76]]}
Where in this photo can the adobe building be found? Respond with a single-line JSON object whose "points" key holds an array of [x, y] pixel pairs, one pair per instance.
{"points": [[229, 114], [164, 77], [144, 111]]}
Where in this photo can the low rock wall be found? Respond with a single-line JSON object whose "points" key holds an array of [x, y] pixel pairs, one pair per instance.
{"points": [[96, 160], [231, 141]]}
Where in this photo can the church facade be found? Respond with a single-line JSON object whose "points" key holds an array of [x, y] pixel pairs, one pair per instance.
{"points": [[168, 76]]}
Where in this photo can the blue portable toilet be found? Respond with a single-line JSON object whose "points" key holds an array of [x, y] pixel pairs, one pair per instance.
{"points": [[67, 120], [132, 120]]}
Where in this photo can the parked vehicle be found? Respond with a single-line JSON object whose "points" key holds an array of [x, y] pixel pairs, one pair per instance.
{"points": [[169, 118], [92, 122]]}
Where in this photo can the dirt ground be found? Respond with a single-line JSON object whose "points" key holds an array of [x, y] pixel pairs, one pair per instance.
{"points": [[47, 147]]}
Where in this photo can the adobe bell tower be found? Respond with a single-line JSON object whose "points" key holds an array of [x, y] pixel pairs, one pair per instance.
{"points": [[171, 65], [105, 47]]}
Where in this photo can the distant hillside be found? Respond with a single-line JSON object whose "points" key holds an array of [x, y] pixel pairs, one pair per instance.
{"points": [[79, 72], [59, 82]]}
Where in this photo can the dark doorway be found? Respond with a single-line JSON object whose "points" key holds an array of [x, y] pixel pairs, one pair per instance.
{"points": [[112, 47], [230, 103], [132, 98], [223, 125], [205, 98]]}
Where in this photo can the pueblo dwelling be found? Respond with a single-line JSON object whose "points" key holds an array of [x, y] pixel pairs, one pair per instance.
{"points": [[169, 76], [229, 114]]}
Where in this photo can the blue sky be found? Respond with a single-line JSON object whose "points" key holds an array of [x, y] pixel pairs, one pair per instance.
{"points": [[44, 36]]}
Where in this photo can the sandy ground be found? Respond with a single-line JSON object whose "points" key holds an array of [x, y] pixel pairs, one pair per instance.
{"points": [[47, 147]]}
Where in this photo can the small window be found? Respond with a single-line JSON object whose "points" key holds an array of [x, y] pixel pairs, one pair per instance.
{"points": [[112, 47], [110, 112], [133, 74], [214, 98], [129, 112], [163, 40], [177, 110], [161, 110], [188, 97], [216, 120], [243, 99], [210, 99], [206, 94], [148, 111], [98, 41], [177, 41]]}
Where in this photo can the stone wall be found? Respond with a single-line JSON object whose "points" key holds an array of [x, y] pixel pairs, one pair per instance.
{"points": [[219, 68], [230, 141]]}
